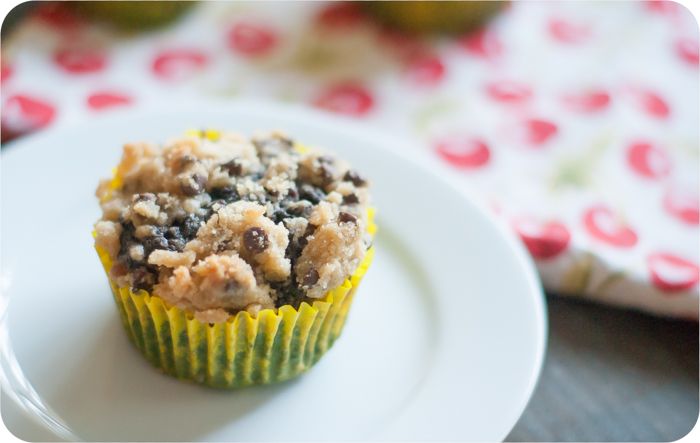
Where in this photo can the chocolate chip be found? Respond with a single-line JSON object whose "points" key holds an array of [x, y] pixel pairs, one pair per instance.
{"points": [[327, 174], [287, 293], [126, 238], [227, 193], [293, 251], [301, 209], [255, 240], [233, 167], [346, 217], [310, 229], [311, 193], [193, 185], [189, 226], [142, 278], [175, 240], [354, 177], [292, 194], [296, 211], [280, 214], [310, 278], [173, 232], [351, 199], [304, 239], [155, 242], [176, 244]]}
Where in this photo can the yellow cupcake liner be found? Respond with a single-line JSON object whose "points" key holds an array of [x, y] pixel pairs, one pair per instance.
{"points": [[273, 346]]}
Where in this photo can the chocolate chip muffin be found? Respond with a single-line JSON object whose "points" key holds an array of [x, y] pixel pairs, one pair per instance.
{"points": [[223, 231]]}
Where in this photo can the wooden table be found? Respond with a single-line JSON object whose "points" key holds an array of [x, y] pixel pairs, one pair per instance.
{"points": [[613, 375]]}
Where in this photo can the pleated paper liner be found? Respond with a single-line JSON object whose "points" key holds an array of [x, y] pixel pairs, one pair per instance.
{"points": [[275, 345]]}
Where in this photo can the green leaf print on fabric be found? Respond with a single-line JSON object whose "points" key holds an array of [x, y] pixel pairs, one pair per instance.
{"points": [[577, 171], [427, 114], [577, 278]]}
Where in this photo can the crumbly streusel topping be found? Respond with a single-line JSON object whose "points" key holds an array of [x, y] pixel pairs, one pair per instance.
{"points": [[219, 226]]}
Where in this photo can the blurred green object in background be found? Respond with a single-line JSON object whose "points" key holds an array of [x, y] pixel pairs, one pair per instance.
{"points": [[434, 16], [16, 15], [132, 15]]}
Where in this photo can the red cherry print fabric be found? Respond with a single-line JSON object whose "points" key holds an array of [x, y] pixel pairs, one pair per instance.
{"points": [[348, 99], [6, 72], [672, 273], [536, 132], [483, 44], [463, 152], [683, 204], [565, 31], [544, 240], [80, 61], [58, 16], [22, 114], [340, 15], [604, 225], [589, 102], [106, 99], [650, 103], [178, 64], [425, 70], [687, 50], [510, 92], [663, 7], [648, 160], [252, 40]]}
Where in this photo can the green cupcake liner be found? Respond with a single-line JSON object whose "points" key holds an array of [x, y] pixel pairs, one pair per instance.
{"points": [[275, 345]]}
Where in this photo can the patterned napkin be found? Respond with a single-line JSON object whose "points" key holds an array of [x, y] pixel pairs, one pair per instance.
{"points": [[577, 122]]}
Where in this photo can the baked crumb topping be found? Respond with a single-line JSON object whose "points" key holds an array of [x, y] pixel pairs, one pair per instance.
{"points": [[218, 226]]}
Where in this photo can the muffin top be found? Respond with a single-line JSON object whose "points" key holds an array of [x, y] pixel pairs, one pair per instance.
{"points": [[215, 223]]}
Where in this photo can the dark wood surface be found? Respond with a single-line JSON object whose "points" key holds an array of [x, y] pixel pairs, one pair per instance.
{"points": [[613, 375]]}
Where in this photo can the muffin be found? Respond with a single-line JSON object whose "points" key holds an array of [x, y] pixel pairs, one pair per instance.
{"points": [[233, 261], [425, 17], [132, 15]]}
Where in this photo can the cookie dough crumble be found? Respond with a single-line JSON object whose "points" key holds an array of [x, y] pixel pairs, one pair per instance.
{"points": [[217, 226]]}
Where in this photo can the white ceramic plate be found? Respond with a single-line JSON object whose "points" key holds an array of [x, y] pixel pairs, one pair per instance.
{"points": [[445, 339]]}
